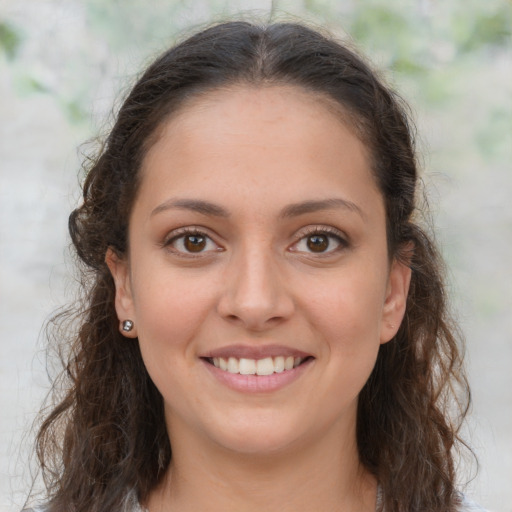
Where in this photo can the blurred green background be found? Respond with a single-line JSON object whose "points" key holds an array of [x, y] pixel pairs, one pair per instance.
{"points": [[65, 63]]}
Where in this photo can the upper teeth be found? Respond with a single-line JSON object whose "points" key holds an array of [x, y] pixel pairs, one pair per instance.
{"points": [[266, 366]]}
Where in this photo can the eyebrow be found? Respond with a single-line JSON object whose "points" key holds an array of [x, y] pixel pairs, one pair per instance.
{"points": [[195, 205], [292, 210], [302, 208]]}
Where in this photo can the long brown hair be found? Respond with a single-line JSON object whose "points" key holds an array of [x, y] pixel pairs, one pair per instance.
{"points": [[106, 437]]}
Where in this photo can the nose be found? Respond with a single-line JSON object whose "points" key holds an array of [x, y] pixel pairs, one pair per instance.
{"points": [[255, 295]]}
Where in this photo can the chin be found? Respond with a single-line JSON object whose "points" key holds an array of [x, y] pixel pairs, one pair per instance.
{"points": [[258, 444], [255, 436]]}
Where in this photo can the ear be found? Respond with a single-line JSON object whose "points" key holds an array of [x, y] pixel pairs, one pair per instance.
{"points": [[396, 300], [119, 268]]}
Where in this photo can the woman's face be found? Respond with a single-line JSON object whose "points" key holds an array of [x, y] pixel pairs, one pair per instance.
{"points": [[257, 275]]}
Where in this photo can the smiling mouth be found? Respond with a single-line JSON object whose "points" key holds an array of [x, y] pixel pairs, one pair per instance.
{"points": [[265, 366]]}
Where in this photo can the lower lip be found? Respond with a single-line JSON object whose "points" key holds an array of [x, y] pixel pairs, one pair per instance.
{"points": [[258, 383]]}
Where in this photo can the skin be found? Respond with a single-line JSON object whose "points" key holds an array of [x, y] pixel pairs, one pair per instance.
{"points": [[254, 152]]}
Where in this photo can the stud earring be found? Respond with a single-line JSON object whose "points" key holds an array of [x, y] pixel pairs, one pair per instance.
{"points": [[127, 325]]}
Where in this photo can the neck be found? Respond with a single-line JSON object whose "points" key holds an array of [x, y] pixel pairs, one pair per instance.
{"points": [[321, 476]]}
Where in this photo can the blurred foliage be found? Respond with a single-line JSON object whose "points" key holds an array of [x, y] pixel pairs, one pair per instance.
{"points": [[75, 110], [494, 28], [490, 137], [432, 50], [130, 23], [10, 39]]}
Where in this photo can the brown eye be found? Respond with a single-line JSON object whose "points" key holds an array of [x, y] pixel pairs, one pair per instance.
{"points": [[194, 243], [323, 242], [318, 243]]}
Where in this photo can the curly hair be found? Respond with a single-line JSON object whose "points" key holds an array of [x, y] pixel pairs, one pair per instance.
{"points": [[107, 437]]}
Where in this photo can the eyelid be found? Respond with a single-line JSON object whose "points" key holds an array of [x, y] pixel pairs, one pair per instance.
{"points": [[184, 230], [178, 233], [330, 231], [320, 228]]}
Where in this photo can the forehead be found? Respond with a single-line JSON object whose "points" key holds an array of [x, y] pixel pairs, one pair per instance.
{"points": [[269, 102], [248, 138]]}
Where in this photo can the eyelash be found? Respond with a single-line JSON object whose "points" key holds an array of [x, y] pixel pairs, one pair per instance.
{"points": [[183, 233], [329, 232]]}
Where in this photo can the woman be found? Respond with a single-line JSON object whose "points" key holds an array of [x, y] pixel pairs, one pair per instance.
{"points": [[265, 325]]}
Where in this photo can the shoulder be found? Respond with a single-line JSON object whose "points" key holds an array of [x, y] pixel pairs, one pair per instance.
{"points": [[466, 505], [130, 504]]}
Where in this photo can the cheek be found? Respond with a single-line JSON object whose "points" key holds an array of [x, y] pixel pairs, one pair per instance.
{"points": [[350, 327], [348, 307], [347, 317], [170, 311], [170, 297]]}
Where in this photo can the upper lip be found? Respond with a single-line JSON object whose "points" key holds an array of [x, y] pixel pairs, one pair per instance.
{"points": [[254, 352]]}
